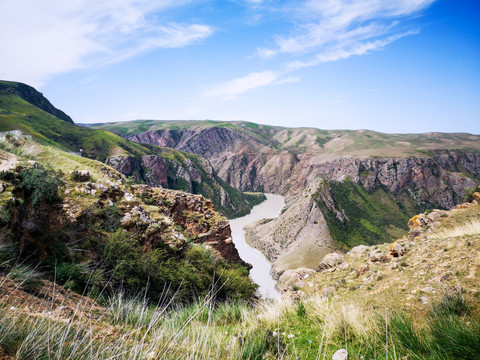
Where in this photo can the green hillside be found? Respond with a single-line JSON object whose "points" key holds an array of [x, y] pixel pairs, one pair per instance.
{"points": [[16, 113], [299, 140]]}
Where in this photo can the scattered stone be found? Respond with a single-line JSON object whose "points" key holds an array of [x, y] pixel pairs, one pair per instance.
{"points": [[341, 354], [424, 300], [358, 250], [396, 250], [129, 197], [362, 269], [290, 336], [476, 196], [297, 295], [428, 290], [445, 277], [80, 175], [377, 256], [2, 187], [331, 260]]}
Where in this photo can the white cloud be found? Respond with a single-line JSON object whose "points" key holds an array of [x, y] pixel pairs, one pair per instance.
{"points": [[325, 24], [233, 88], [341, 53], [43, 38], [326, 31]]}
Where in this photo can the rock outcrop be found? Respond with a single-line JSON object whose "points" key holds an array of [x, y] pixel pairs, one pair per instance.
{"points": [[158, 217], [184, 172]]}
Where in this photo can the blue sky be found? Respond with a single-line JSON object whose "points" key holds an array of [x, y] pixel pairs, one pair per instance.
{"points": [[385, 65]]}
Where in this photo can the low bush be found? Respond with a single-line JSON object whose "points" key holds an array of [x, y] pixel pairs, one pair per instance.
{"points": [[159, 272], [41, 184]]}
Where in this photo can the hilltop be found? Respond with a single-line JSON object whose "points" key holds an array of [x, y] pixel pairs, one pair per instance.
{"points": [[81, 223]]}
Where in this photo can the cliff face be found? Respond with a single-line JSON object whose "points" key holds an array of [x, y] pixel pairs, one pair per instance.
{"points": [[188, 173], [247, 163], [206, 142], [342, 188], [438, 181]]}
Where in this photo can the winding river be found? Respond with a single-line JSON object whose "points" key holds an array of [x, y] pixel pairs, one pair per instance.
{"points": [[260, 273]]}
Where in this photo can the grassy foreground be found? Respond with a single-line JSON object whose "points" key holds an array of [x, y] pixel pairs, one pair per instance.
{"points": [[49, 324]]}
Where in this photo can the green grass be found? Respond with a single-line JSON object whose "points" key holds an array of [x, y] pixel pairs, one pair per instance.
{"points": [[373, 217], [16, 113], [312, 329]]}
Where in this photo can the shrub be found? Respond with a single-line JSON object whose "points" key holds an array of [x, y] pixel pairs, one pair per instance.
{"points": [[452, 302], [469, 193], [160, 273], [42, 184], [29, 278]]}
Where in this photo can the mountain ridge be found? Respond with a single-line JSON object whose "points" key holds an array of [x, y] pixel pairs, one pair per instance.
{"points": [[33, 97]]}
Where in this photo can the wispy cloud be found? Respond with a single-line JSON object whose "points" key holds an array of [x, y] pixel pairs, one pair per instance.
{"points": [[324, 25], [326, 31], [340, 53], [43, 38], [233, 88]]}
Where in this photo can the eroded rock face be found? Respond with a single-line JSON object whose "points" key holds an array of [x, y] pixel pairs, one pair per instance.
{"points": [[156, 216], [197, 217], [156, 170], [248, 164], [331, 260], [436, 179], [126, 165]]}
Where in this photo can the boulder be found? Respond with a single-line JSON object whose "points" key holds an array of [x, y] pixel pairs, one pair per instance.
{"points": [[80, 175], [341, 354], [396, 250], [358, 250], [476, 196], [362, 269], [330, 261], [377, 256]]}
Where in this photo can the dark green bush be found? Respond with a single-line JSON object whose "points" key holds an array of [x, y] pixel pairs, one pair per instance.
{"points": [[159, 272], [42, 184]]}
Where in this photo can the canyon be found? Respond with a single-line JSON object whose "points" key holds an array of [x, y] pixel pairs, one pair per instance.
{"points": [[320, 172]]}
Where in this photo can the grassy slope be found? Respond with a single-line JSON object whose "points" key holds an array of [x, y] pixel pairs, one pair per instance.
{"points": [[361, 142], [16, 113], [75, 250], [410, 310], [374, 217]]}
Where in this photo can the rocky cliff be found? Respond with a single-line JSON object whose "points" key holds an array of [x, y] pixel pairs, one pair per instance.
{"points": [[342, 188], [439, 255], [186, 172]]}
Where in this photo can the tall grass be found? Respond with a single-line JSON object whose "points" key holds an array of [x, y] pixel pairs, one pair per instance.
{"points": [[131, 328]]}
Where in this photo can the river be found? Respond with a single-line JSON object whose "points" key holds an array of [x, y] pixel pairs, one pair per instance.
{"points": [[260, 273]]}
